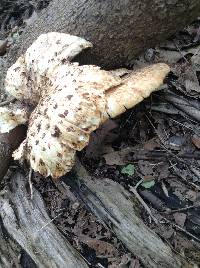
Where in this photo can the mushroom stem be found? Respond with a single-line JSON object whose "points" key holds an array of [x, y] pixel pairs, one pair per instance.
{"points": [[134, 88]]}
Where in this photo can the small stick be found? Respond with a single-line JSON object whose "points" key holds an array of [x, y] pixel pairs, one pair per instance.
{"points": [[181, 209], [181, 229], [30, 182], [49, 222], [134, 191], [176, 171]]}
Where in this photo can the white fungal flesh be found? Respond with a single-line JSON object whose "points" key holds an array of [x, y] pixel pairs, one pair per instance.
{"points": [[12, 116], [27, 78], [71, 101]]}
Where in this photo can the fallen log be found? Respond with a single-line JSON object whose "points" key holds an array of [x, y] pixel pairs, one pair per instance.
{"points": [[9, 251], [111, 203], [26, 220]]}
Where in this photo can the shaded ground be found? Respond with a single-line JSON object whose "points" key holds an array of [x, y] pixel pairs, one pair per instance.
{"points": [[154, 146]]}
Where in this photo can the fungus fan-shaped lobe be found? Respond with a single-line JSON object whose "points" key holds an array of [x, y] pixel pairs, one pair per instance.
{"points": [[28, 78], [73, 107], [45, 151], [80, 93]]}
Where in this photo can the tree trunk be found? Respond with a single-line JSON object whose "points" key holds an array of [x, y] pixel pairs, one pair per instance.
{"points": [[118, 29]]}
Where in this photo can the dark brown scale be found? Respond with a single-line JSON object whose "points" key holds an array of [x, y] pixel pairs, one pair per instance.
{"points": [[69, 129], [66, 112], [61, 115], [69, 97], [59, 155], [41, 162], [16, 69], [57, 132], [38, 127]]}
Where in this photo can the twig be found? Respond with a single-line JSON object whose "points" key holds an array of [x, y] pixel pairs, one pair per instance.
{"points": [[181, 209], [196, 172], [178, 123], [141, 154], [163, 143], [154, 200], [30, 181], [139, 182], [134, 191], [181, 53], [184, 179], [49, 222], [181, 229], [172, 154], [183, 104]]}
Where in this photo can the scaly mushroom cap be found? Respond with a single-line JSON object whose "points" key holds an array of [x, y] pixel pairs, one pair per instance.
{"points": [[70, 100]]}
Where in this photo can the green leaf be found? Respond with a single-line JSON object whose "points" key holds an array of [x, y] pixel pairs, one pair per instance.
{"points": [[148, 184], [128, 170]]}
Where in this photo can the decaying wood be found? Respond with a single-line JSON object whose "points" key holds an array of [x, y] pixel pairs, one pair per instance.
{"points": [[189, 107], [118, 29], [9, 250], [27, 222], [114, 205]]}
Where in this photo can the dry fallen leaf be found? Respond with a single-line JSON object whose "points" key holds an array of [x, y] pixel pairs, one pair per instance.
{"points": [[187, 76], [68, 101], [117, 157], [97, 138], [196, 141], [102, 248], [147, 170], [180, 218]]}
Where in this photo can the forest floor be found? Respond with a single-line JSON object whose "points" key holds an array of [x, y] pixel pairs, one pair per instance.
{"points": [[155, 145]]}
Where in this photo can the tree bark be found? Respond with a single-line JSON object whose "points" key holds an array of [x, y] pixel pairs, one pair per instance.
{"points": [[9, 250], [118, 29]]}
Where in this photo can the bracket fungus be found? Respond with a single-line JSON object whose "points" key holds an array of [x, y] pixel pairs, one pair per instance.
{"points": [[63, 102]]}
